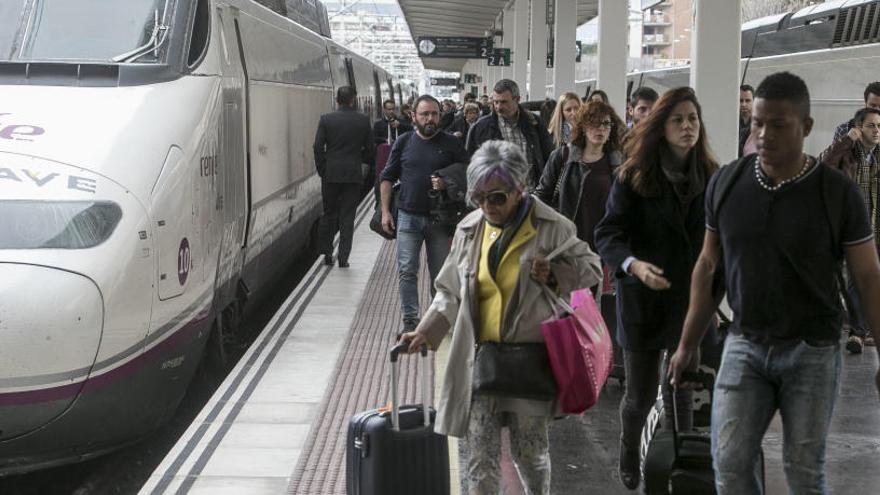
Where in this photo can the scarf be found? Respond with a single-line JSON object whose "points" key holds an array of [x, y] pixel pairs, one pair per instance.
{"points": [[508, 231], [688, 178]]}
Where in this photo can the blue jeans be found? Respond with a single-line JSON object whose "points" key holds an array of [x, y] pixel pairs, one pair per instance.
{"points": [[412, 231], [754, 381]]}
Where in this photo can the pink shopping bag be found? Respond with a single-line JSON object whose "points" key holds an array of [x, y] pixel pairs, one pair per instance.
{"points": [[579, 347]]}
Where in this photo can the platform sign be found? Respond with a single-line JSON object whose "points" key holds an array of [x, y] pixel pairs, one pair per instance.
{"points": [[444, 81], [453, 47], [499, 57]]}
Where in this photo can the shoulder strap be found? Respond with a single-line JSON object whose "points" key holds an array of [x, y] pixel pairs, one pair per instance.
{"points": [[727, 178], [563, 168]]}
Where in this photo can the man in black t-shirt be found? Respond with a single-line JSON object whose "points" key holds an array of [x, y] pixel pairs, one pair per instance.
{"points": [[781, 255]]}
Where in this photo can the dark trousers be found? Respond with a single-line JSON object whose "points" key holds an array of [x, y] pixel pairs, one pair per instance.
{"points": [[340, 203], [643, 374]]}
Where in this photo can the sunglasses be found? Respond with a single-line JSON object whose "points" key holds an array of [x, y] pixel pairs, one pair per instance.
{"points": [[494, 198]]}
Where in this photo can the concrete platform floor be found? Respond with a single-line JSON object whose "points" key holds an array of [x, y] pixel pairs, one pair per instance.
{"points": [[589, 464]]}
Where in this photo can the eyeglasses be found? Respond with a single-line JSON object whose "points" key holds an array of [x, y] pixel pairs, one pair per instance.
{"points": [[494, 198], [607, 124], [871, 127]]}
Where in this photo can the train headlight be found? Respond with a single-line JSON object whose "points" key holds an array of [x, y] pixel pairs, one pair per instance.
{"points": [[28, 224]]}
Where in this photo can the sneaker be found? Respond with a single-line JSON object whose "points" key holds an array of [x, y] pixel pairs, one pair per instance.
{"points": [[868, 341], [854, 344]]}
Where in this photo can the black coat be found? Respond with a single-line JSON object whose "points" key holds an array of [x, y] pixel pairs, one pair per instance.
{"points": [[659, 231], [381, 128], [343, 142], [534, 131], [460, 125], [572, 184]]}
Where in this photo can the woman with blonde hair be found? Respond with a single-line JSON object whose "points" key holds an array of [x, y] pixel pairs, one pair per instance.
{"points": [[562, 121]]}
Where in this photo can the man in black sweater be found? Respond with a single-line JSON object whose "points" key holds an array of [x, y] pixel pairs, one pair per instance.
{"points": [[343, 143], [415, 159]]}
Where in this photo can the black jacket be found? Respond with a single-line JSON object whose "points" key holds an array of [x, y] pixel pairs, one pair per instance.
{"points": [[460, 125], [381, 127], [343, 142], [658, 231], [534, 131], [572, 184]]}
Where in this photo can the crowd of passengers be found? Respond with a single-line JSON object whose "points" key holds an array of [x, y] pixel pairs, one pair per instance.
{"points": [[654, 217]]}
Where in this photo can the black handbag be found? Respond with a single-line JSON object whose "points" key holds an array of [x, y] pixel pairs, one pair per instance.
{"points": [[376, 221], [513, 370]]}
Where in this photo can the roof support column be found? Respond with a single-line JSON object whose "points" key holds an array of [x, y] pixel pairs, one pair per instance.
{"points": [[565, 27], [715, 72], [611, 73], [538, 51], [509, 42], [520, 43]]}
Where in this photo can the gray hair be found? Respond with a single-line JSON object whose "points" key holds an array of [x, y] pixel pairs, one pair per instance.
{"points": [[497, 159], [507, 85]]}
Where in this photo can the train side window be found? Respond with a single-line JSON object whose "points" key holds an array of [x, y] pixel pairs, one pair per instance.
{"points": [[198, 44]]}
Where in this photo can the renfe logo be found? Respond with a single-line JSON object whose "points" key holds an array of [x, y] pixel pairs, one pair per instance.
{"points": [[17, 132]]}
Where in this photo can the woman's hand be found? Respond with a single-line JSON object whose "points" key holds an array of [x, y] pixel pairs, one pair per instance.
{"points": [[415, 340], [650, 275], [540, 271]]}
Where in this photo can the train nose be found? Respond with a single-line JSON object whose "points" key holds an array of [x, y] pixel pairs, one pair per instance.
{"points": [[50, 328]]}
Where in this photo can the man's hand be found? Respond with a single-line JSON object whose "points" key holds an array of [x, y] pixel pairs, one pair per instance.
{"points": [[540, 271], [650, 275], [458, 134], [437, 183], [415, 340], [683, 360], [394, 123], [388, 222], [855, 134]]}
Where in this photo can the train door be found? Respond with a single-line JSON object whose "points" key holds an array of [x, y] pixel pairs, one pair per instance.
{"points": [[377, 95], [233, 162], [391, 89]]}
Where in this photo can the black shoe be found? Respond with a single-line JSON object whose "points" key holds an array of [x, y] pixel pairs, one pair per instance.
{"points": [[410, 324], [343, 263], [628, 467], [328, 259]]}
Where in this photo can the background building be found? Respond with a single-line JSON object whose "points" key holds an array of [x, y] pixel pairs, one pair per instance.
{"points": [[666, 32]]}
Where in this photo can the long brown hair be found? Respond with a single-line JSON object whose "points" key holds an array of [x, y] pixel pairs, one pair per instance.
{"points": [[593, 113], [641, 170]]}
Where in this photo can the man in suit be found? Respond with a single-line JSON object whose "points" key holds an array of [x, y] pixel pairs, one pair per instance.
{"points": [[344, 142]]}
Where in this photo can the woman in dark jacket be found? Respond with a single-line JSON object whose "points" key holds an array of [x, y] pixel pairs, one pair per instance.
{"points": [[651, 236], [577, 178], [462, 125]]}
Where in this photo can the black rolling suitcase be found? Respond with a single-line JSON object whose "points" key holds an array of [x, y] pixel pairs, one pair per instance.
{"points": [[681, 463], [397, 452]]}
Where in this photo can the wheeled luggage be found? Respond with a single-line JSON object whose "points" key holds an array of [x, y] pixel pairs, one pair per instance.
{"points": [[396, 451]]}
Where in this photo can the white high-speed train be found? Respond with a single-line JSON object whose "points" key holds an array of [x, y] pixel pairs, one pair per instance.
{"points": [[156, 171], [833, 46]]}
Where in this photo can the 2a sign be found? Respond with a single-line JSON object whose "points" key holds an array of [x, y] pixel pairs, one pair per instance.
{"points": [[499, 57]]}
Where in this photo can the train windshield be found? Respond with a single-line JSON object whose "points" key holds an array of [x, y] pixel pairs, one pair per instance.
{"points": [[56, 224], [99, 31]]}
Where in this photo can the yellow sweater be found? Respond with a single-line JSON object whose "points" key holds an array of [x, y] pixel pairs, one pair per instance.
{"points": [[495, 293]]}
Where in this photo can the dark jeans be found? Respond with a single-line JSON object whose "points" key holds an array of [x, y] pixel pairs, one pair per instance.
{"points": [[340, 203], [643, 374]]}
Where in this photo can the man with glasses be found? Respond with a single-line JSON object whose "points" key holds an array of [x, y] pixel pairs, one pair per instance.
{"points": [[858, 155], [512, 123], [415, 159]]}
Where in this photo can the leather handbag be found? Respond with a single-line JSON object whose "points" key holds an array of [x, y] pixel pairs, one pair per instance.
{"points": [[513, 370], [520, 370], [376, 220]]}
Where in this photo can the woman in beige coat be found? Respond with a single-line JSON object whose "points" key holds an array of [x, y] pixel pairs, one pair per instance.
{"points": [[490, 290]]}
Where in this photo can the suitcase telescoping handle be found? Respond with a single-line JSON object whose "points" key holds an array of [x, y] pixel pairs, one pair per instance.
{"points": [[395, 399]]}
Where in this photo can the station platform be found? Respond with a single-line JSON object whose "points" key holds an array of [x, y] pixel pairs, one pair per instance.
{"points": [[277, 424]]}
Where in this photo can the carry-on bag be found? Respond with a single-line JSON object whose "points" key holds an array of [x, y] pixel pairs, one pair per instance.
{"points": [[681, 463], [396, 451], [579, 347]]}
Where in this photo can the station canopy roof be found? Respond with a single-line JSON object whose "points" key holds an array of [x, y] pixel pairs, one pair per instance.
{"points": [[464, 18]]}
